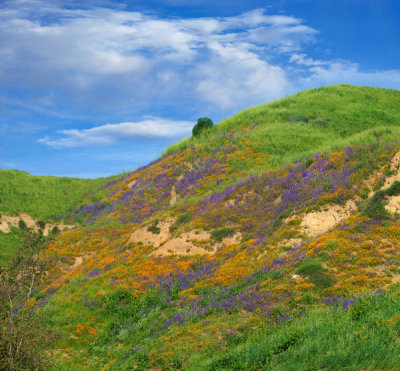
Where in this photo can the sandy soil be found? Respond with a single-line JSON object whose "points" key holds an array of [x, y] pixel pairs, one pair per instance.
{"points": [[394, 166], [148, 238], [174, 196], [6, 222], [393, 205], [291, 242], [319, 222], [180, 246], [132, 183], [4, 226]]}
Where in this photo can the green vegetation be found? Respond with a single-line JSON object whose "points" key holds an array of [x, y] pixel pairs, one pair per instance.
{"points": [[42, 197], [184, 218], [8, 243], [316, 120], [154, 227], [359, 337], [279, 299], [375, 207], [23, 334], [221, 233], [203, 124], [315, 272]]}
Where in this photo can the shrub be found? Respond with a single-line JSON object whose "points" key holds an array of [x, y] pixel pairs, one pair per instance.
{"points": [[55, 230], [394, 189], [221, 233], [315, 272], [374, 208], [24, 336], [154, 227], [184, 218], [320, 122], [203, 123], [22, 225], [309, 161], [41, 224], [298, 118], [309, 268]]}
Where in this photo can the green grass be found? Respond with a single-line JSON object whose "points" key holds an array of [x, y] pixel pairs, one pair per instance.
{"points": [[291, 127], [43, 197], [8, 244], [362, 337], [221, 233]]}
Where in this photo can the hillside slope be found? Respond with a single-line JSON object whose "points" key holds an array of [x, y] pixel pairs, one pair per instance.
{"points": [[225, 252], [35, 198], [42, 197]]}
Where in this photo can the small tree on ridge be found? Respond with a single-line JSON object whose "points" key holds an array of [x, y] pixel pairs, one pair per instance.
{"points": [[203, 123]]}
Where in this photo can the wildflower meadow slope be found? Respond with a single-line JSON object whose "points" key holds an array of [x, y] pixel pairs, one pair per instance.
{"points": [[254, 246]]}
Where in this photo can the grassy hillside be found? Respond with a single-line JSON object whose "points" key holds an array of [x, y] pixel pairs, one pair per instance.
{"points": [[315, 120], [8, 244], [43, 197], [269, 243]]}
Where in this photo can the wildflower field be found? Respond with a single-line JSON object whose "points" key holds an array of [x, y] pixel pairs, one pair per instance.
{"points": [[267, 243]]}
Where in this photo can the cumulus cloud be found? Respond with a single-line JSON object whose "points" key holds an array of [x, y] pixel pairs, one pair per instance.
{"points": [[248, 79], [123, 56], [112, 133]]}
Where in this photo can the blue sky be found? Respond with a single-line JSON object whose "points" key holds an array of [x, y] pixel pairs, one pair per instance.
{"points": [[94, 88]]}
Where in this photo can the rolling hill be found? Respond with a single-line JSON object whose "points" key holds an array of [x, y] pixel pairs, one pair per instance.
{"points": [[270, 242], [36, 198]]}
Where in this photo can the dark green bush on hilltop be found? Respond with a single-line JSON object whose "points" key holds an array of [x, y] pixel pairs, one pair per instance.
{"points": [[203, 123]]}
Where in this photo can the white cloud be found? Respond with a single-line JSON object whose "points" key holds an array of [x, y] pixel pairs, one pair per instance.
{"points": [[248, 79], [112, 133], [121, 56], [333, 72], [302, 59]]}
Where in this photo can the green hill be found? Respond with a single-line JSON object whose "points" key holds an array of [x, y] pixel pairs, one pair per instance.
{"points": [[316, 120], [42, 197], [270, 242]]}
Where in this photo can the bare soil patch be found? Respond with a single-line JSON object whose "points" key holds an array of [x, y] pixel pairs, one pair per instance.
{"points": [[393, 205], [180, 246], [6, 222], [143, 235], [319, 222]]}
